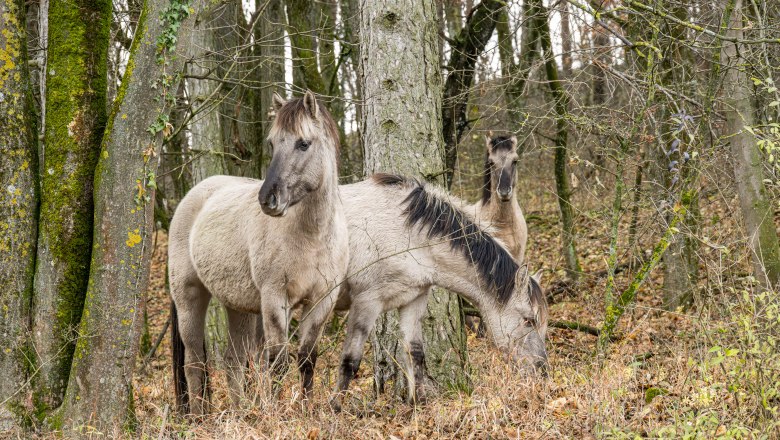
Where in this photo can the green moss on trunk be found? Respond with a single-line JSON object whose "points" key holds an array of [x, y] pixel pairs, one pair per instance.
{"points": [[75, 118]]}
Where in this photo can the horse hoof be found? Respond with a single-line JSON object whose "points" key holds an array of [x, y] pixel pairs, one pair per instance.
{"points": [[335, 404]]}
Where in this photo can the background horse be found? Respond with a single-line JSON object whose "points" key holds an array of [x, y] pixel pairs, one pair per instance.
{"points": [[499, 208], [289, 250], [406, 237]]}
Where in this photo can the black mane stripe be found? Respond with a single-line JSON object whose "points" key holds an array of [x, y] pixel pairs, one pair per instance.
{"points": [[494, 263]]}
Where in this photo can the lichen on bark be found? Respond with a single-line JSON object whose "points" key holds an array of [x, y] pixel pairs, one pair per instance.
{"points": [[18, 216]]}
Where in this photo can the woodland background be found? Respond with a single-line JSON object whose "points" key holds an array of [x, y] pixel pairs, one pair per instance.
{"points": [[648, 177]]}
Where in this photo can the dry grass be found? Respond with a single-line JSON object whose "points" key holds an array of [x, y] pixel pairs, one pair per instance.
{"points": [[663, 353]]}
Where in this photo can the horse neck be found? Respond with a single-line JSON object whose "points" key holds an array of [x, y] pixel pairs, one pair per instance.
{"points": [[456, 274], [499, 212], [318, 211]]}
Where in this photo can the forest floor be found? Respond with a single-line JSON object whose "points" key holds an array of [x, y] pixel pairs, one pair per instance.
{"points": [[701, 373]]}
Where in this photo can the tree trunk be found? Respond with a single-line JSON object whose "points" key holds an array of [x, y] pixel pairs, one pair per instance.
{"points": [[270, 45], [515, 84], [561, 103], [566, 39], [235, 103], [99, 392], [468, 45], [18, 216], [402, 133], [75, 119], [746, 159], [681, 264], [208, 148]]}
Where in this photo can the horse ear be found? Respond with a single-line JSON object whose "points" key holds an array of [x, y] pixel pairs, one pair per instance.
{"points": [[488, 136], [513, 140], [538, 276], [310, 103], [279, 102]]}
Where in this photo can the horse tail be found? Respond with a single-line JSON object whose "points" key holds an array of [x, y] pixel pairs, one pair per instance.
{"points": [[179, 378]]}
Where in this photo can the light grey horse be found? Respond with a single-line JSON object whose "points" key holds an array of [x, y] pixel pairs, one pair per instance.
{"points": [[266, 258], [405, 237]]}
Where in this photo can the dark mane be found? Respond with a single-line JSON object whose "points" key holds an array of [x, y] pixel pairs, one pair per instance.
{"points": [[441, 219], [498, 143], [501, 143], [388, 179], [486, 192], [538, 300], [291, 116]]}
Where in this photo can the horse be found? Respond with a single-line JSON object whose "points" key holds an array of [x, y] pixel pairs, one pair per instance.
{"points": [[498, 207], [405, 237], [288, 251]]}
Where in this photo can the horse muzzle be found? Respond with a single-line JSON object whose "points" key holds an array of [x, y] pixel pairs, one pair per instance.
{"points": [[275, 201], [504, 194]]}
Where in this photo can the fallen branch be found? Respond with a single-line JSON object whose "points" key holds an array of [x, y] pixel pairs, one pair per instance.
{"points": [[157, 343]]}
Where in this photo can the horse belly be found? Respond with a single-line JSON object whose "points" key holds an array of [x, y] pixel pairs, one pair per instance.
{"points": [[223, 267]]}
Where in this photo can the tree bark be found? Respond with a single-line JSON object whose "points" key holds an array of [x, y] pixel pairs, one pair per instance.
{"points": [[466, 48], [99, 393], [18, 216], [681, 263], [269, 38], [561, 103], [746, 159], [75, 119], [402, 133]]}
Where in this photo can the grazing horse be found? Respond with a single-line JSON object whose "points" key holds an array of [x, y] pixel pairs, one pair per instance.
{"points": [[266, 258], [405, 237], [498, 208]]}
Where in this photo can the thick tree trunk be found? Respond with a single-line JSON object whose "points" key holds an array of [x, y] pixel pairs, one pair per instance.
{"points": [[468, 45], [402, 133], [561, 103], [746, 159], [75, 119], [99, 392], [18, 216]]}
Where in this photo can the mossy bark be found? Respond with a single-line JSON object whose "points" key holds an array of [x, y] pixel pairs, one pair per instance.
{"points": [[99, 392], [402, 132], [757, 212], [18, 216], [75, 119]]}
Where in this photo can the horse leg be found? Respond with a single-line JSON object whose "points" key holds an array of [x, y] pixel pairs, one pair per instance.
{"points": [[309, 331], [240, 334], [191, 310], [410, 322], [362, 317], [275, 321]]}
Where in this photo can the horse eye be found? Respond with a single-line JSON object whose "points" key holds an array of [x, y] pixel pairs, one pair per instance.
{"points": [[302, 145], [530, 322]]}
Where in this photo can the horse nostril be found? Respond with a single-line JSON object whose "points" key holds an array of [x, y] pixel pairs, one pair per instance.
{"points": [[272, 201]]}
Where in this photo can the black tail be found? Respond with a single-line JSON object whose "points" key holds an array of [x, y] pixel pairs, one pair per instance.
{"points": [[179, 379]]}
